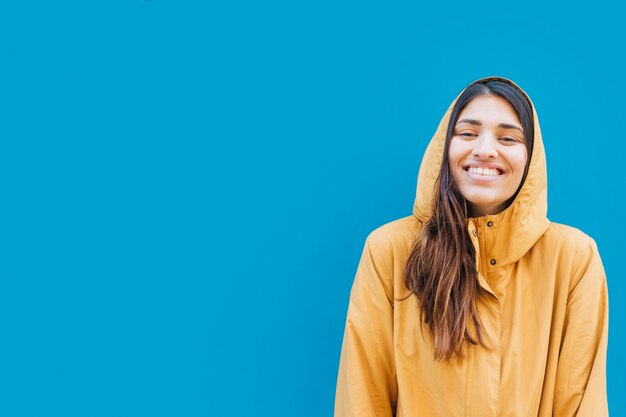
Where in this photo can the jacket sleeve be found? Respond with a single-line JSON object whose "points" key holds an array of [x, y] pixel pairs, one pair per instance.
{"points": [[581, 373], [366, 382]]}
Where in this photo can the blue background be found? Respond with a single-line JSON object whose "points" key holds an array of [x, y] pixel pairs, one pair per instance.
{"points": [[187, 186]]}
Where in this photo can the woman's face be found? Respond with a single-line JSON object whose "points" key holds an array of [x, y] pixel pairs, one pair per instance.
{"points": [[487, 154]]}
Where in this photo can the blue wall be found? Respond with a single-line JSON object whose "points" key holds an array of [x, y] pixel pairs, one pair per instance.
{"points": [[187, 186]]}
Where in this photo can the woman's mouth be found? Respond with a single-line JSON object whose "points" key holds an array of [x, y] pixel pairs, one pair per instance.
{"points": [[492, 172]]}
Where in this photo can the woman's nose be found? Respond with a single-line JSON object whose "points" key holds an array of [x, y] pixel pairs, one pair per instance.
{"points": [[485, 147]]}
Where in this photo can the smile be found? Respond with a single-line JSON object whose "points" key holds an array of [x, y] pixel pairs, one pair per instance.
{"points": [[491, 172]]}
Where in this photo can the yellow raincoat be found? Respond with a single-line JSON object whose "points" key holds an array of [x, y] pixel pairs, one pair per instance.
{"points": [[546, 306]]}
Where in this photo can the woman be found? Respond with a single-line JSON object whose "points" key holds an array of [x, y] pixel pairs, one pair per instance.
{"points": [[478, 305]]}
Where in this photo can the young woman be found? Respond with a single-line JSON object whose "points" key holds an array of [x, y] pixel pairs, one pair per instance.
{"points": [[477, 305]]}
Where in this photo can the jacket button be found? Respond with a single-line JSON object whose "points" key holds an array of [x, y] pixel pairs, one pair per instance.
{"points": [[489, 223], [474, 233], [493, 262]]}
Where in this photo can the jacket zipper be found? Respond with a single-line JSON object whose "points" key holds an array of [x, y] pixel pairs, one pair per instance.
{"points": [[481, 246]]}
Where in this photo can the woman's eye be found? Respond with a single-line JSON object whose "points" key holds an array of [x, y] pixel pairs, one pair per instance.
{"points": [[508, 139], [466, 134]]}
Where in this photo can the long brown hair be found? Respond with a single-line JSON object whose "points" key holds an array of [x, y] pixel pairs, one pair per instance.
{"points": [[441, 267]]}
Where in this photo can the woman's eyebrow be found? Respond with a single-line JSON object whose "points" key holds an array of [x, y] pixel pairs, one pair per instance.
{"points": [[478, 123]]}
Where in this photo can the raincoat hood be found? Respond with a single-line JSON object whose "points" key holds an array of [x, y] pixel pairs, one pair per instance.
{"points": [[524, 221]]}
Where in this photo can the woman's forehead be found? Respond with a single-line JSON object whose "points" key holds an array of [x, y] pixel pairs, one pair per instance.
{"points": [[489, 110]]}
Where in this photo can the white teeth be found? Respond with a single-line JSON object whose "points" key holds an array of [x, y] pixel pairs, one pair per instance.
{"points": [[483, 171]]}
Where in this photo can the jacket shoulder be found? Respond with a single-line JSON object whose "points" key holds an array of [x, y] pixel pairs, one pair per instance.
{"points": [[576, 250], [391, 242], [395, 231], [572, 237]]}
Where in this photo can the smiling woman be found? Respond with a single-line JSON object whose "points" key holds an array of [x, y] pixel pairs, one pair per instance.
{"points": [[477, 304]]}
